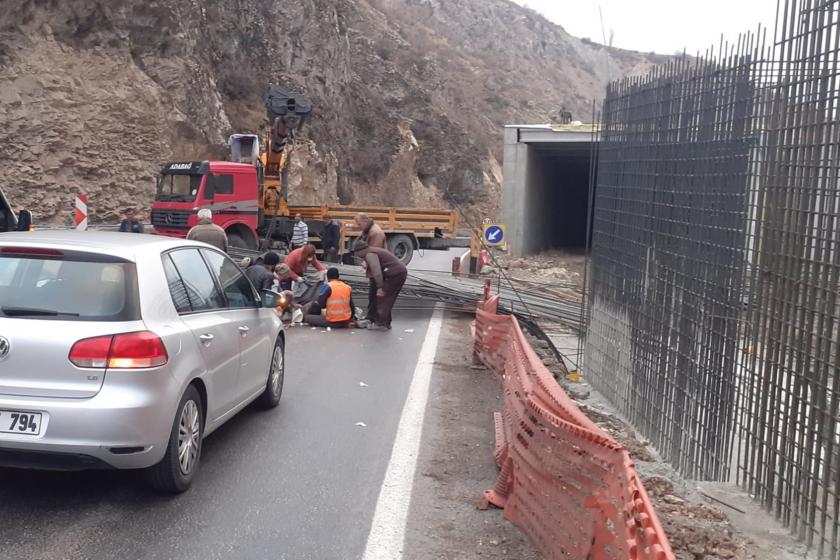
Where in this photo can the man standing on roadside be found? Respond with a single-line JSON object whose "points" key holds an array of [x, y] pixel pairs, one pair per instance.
{"points": [[373, 236], [388, 274], [131, 224], [300, 233], [208, 232], [330, 239]]}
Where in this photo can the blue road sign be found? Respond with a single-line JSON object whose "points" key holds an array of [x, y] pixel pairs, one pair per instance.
{"points": [[494, 234]]}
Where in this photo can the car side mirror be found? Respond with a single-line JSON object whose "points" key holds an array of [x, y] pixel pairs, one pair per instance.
{"points": [[272, 299]]}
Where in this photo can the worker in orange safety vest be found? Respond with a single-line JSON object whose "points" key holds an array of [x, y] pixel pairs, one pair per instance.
{"points": [[334, 305]]}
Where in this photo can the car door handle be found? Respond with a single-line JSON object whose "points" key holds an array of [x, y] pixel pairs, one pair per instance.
{"points": [[206, 338], [244, 330]]}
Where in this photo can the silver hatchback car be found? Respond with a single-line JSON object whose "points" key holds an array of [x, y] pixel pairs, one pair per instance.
{"points": [[125, 351]]}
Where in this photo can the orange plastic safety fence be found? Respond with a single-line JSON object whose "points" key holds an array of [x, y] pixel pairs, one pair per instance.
{"points": [[563, 481]]}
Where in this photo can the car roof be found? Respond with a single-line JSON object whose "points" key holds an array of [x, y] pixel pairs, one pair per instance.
{"points": [[125, 245]]}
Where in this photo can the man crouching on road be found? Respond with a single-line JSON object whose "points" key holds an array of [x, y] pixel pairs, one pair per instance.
{"points": [[208, 232], [373, 235], [336, 298], [389, 275]]}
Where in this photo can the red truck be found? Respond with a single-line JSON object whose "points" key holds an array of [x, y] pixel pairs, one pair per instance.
{"points": [[232, 191], [229, 189]]}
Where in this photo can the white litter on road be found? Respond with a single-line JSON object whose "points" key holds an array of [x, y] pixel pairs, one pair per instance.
{"points": [[362, 384], [361, 424], [409, 331]]}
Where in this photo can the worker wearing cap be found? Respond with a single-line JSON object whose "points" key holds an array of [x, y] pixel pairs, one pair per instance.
{"points": [[335, 300], [388, 273], [262, 276]]}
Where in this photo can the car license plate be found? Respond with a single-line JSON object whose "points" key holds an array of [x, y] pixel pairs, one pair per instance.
{"points": [[23, 423]]}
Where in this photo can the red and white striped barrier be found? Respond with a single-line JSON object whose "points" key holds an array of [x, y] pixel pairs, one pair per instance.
{"points": [[82, 212]]}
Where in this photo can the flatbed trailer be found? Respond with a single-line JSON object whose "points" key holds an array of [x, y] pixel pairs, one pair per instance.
{"points": [[407, 229]]}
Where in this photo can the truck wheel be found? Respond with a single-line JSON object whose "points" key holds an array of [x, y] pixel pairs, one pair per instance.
{"points": [[402, 247], [236, 240]]}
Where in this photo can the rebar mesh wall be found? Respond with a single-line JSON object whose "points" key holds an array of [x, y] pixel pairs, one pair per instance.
{"points": [[788, 430], [668, 254], [715, 320]]}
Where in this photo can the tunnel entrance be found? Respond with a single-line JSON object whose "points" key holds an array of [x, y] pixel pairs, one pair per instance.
{"points": [[545, 194]]}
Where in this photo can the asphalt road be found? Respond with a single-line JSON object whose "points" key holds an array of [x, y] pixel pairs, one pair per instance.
{"points": [[298, 482], [439, 261]]}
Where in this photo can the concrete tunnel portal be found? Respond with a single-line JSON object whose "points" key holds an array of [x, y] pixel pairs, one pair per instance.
{"points": [[546, 186]]}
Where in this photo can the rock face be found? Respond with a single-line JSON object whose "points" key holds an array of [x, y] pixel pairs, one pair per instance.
{"points": [[409, 95]]}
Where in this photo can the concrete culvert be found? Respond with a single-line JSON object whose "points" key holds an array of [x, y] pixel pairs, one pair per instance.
{"points": [[546, 187]]}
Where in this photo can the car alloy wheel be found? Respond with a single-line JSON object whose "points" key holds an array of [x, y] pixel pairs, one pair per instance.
{"points": [[277, 371], [189, 437]]}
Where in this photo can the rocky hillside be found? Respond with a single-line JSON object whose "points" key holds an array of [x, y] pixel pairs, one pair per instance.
{"points": [[409, 95]]}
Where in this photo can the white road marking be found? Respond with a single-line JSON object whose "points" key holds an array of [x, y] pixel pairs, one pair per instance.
{"points": [[387, 532]]}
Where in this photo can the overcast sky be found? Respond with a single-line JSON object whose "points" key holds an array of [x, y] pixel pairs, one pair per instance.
{"points": [[662, 26]]}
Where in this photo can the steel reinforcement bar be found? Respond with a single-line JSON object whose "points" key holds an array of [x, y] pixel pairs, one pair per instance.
{"points": [[714, 310]]}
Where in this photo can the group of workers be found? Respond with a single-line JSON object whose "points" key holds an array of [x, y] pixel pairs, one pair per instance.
{"points": [[333, 305]]}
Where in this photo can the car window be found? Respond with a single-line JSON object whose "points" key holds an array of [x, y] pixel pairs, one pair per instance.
{"points": [[177, 289], [237, 288], [201, 288], [68, 286]]}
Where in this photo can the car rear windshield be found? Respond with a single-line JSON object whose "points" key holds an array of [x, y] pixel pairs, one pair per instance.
{"points": [[64, 286]]}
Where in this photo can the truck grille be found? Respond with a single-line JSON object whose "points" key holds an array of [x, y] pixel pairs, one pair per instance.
{"points": [[172, 219]]}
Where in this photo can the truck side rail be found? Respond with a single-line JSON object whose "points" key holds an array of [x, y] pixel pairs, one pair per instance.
{"points": [[419, 221]]}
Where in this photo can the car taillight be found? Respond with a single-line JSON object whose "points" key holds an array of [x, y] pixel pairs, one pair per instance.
{"points": [[91, 352], [122, 351]]}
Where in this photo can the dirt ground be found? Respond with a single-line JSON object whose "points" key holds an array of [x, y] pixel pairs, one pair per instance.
{"points": [[560, 269], [456, 463]]}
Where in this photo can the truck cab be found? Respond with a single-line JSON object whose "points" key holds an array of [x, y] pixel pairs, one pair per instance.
{"points": [[230, 190]]}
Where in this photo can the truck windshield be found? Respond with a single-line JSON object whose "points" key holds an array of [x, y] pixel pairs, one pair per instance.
{"points": [[178, 187]]}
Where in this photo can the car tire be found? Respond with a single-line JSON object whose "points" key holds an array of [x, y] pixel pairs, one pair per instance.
{"points": [[174, 474], [401, 247], [236, 240], [276, 375]]}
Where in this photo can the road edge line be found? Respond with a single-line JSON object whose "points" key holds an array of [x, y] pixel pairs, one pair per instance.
{"points": [[387, 532]]}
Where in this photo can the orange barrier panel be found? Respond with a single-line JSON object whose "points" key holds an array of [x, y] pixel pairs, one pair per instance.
{"points": [[563, 481]]}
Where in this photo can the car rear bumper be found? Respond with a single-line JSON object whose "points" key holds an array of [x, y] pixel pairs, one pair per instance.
{"points": [[48, 460], [125, 426]]}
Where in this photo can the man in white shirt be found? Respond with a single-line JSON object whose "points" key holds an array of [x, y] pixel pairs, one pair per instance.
{"points": [[300, 232]]}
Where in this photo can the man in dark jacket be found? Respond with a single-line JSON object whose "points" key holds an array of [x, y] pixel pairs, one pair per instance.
{"points": [[330, 239], [262, 275], [388, 273], [131, 224]]}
